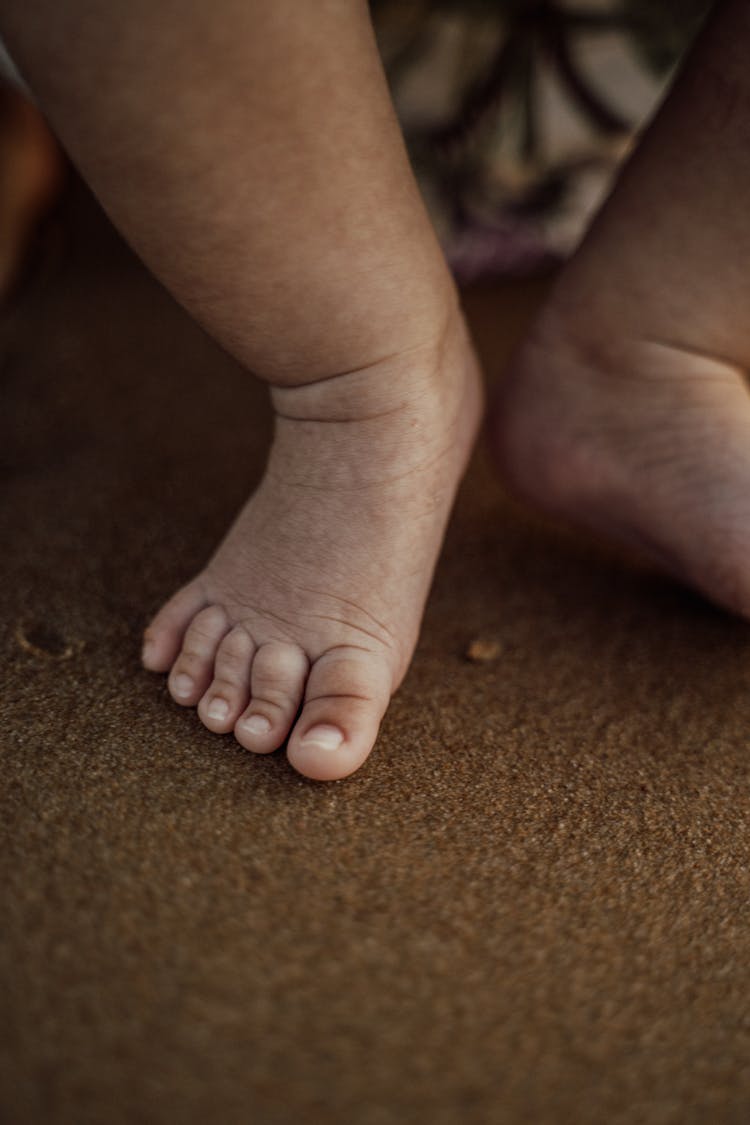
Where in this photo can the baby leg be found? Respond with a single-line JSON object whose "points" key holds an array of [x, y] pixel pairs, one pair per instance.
{"points": [[250, 153], [628, 408]]}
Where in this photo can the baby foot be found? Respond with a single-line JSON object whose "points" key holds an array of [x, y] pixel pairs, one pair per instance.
{"points": [[627, 408], [644, 440], [303, 623]]}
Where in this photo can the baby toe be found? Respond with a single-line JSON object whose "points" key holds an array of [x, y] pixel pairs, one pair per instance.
{"points": [[347, 694], [277, 685], [229, 691], [163, 636], [192, 671]]}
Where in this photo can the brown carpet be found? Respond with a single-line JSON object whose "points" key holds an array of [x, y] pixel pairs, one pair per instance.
{"points": [[531, 905]]}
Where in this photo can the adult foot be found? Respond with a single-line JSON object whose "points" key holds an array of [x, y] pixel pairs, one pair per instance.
{"points": [[627, 408], [303, 623]]}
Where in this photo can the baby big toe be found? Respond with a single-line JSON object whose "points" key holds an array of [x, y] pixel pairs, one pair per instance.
{"points": [[347, 695], [277, 685]]}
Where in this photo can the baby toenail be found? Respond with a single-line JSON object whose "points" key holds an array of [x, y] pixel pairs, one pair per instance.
{"points": [[218, 709], [182, 685], [257, 724], [148, 650], [323, 738]]}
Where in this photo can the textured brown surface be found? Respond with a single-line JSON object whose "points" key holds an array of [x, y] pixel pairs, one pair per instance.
{"points": [[531, 905]]}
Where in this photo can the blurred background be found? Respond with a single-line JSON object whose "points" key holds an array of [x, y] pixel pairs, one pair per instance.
{"points": [[516, 113]]}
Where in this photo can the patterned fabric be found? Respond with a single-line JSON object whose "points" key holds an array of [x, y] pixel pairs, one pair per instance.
{"points": [[517, 113]]}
